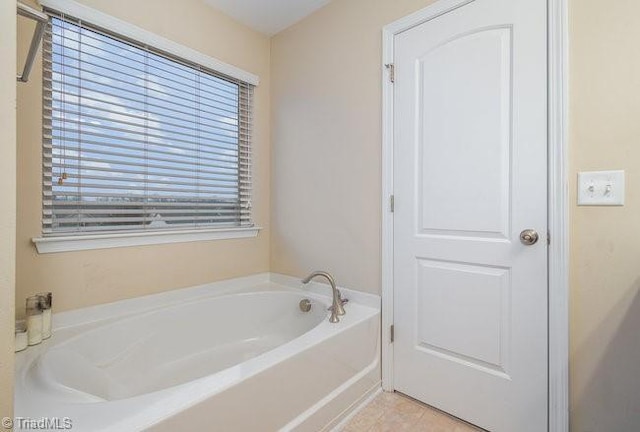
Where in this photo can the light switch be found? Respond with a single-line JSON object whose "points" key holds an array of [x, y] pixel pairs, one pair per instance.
{"points": [[601, 188]]}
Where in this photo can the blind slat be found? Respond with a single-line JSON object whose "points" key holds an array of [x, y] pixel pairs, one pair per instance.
{"points": [[101, 169], [69, 230], [156, 169], [137, 140], [92, 205], [81, 197]]}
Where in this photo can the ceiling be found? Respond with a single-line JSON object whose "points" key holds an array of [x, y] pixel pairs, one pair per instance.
{"points": [[267, 16]]}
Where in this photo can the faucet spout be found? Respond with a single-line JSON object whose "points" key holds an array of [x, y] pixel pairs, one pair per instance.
{"points": [[336, 306]]}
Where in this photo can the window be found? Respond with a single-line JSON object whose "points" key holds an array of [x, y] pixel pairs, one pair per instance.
{"points": [[138, 140]]}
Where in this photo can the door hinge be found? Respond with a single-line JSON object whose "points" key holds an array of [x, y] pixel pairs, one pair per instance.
{"points": [[392, 203], [392, 71], [392, 333], [548, 238]]}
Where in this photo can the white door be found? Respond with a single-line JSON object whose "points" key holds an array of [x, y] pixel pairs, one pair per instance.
{"points": [[470, 174]]}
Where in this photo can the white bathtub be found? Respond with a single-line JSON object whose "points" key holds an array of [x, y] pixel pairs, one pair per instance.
{"points": [[231, 356]]}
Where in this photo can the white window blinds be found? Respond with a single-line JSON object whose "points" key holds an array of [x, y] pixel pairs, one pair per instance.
{"points": [[135, 139]]}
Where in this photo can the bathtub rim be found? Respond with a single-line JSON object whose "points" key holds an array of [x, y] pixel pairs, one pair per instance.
{"points": [[120, 308]]}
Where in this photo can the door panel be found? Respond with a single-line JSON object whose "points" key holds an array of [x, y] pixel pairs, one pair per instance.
{"points": [[450, 154], [464, 313], [470, 170]]}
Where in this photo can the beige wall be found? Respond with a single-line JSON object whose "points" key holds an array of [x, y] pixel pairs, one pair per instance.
{"points": [[84, 278], [8, 196], [605, 259], [326, 110]]}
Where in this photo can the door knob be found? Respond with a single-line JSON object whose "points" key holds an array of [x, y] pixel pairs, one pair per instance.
{"points": [[529, 237]]}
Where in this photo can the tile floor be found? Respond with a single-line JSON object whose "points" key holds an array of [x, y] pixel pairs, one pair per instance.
{"points": [[394, 412]]}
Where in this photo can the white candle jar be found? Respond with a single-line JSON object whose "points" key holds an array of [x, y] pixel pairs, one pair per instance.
{"points": [[22, 339], [34, 320], [45, 304]]}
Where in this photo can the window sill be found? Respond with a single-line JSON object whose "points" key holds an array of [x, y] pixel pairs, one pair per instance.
{"points": [[46, 245]]}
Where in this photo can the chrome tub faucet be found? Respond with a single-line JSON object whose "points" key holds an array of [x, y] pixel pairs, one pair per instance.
{"points": [[337, 306]]}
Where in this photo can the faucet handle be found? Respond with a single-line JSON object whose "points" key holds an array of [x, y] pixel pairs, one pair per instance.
{"points": [[342, 300], [339, 307]]}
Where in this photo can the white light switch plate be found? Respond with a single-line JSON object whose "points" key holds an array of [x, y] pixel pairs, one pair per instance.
{"points": [[601, 188]]}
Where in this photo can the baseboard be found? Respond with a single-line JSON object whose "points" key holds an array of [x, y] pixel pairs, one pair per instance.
{"points": [[338, 423]]}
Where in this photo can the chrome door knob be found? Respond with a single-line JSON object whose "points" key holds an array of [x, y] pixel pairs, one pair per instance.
{"points": [[529, 237]]}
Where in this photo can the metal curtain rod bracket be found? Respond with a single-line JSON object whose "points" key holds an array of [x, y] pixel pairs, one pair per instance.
{"points": [[41, 22]]}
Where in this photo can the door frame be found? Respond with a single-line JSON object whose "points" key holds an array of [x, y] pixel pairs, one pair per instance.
{"points": [[558, 197]]}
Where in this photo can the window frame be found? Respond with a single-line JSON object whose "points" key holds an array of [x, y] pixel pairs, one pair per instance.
{"points": [[61, 242]]}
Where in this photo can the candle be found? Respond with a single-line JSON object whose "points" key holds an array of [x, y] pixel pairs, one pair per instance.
{"points": [[34, 320], [45, 304], [22, 340]]}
